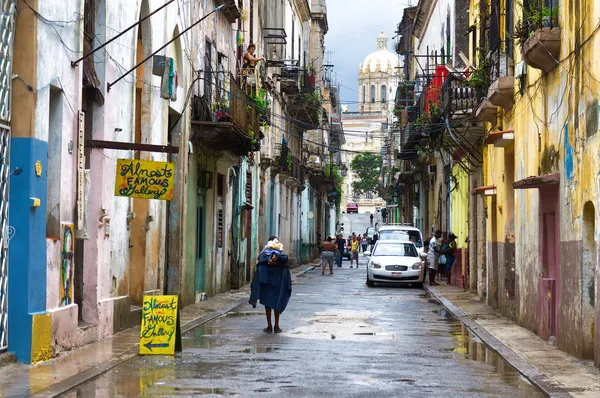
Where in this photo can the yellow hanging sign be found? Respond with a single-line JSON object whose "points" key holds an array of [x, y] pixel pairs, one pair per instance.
{"points": [[144, 179], [160, 333]]}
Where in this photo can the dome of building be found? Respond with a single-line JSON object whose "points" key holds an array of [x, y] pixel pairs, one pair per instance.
{"points": [[382, 60]]}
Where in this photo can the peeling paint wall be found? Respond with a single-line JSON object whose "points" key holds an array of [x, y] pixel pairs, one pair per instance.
{"points": [[555, 120]]}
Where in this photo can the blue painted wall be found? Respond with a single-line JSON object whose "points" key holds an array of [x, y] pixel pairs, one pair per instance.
{"points": [[27, 251]]}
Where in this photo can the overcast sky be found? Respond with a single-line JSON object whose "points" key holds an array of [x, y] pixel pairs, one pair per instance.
{"points": [[353, 29]]}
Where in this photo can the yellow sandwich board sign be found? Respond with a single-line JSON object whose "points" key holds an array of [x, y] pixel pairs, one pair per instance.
{"points": [[160, 333], [144, 179]]}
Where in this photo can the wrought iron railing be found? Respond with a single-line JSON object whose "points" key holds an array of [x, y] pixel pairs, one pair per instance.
{"points": [[459, 97]]}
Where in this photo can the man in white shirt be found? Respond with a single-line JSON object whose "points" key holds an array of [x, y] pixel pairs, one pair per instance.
{"points": [[432, 257]]}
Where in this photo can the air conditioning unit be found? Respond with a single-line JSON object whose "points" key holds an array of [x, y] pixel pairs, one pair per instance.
{"points": [[432, 168]]}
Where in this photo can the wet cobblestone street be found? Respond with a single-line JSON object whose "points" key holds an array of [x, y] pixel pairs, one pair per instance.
{"points": [[340, 338]]}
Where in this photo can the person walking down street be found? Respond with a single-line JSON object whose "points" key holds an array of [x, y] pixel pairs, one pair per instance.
{"points": [[272, 283], [328, 249], [450, 255], [442, 248], [341, 245], [432, 257], [354, 251], [371, 218], [363, 243]]}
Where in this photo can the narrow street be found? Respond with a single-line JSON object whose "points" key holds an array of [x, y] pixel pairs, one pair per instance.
{"points": [[340, 338]]}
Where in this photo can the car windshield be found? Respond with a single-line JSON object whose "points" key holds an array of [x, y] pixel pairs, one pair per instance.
{"points": [[408, 235], [395, 249]]}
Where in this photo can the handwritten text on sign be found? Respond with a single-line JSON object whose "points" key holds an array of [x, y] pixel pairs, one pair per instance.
{"points": [[144, 179], [158, 330]]}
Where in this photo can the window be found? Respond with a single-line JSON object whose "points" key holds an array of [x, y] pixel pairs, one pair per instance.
{"points": [[251, 21], [249, 188], [383, 93], [220, 77], [364, 93], [293, 38], [373, 94], [55, 134], [220, 228], [395, 249], [208, 78], [220, 185]]}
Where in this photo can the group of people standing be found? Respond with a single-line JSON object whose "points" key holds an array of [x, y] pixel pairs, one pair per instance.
{"points": [[440, 256], [334, 250]]}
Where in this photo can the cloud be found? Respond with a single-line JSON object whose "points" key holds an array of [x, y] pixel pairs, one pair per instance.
{"points": [[353, 29]]}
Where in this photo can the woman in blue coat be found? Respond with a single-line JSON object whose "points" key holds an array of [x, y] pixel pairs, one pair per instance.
{"points": [[272, 283]]}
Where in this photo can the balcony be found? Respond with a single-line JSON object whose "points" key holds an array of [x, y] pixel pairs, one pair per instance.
{"points": [[288, 76], [289, 167], [502, 92], [222, 126], [539, 34], [231, 11], [460, 100], [541, 51], [307, 105]]}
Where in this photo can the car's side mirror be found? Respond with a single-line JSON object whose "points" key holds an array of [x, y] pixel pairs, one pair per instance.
{"points": [[368, 254], [423, 256]]}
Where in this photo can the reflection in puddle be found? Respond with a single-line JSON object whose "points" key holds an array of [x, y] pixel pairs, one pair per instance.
{"points": [[204, 337], [470, 347], [259, 350]]}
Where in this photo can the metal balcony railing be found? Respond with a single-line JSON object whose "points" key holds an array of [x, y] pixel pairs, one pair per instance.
{"points": [[458, 96]]}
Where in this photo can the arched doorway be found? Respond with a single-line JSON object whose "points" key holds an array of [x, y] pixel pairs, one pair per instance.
{"points": [[588, 278]]}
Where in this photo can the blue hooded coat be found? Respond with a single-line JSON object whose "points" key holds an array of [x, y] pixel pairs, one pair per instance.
{"points": [[271, 284]]}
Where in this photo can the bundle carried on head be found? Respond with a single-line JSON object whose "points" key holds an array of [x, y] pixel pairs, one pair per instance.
{"points": [[275, 245]]}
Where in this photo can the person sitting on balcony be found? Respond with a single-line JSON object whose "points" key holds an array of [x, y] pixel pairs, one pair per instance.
{"points": [[249, 65]]}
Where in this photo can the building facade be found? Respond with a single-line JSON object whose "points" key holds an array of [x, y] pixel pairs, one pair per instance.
{"points": [[512, 149], [368, 129], [123, 89]]}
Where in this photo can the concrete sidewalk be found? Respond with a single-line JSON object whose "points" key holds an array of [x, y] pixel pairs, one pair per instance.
{"points": [[553, 371], [55, 377]]}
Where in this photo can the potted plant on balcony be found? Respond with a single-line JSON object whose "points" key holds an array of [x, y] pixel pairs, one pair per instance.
{"points": [[220, 110], [538, 34]]}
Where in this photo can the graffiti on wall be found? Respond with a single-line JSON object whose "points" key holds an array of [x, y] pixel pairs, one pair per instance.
{"points": [[66, 267]]}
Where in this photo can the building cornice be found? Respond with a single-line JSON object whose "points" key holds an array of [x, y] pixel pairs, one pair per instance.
{"points": [[303, 9], [424, 12]]}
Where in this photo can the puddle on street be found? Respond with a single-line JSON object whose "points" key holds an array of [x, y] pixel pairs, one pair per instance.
{"points": [[204, 337], [259, 350], [241, 314], [470, 347]]}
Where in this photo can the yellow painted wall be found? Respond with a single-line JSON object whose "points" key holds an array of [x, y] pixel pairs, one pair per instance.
{"points": [[41, 338], [552, 120], [460, 205]]}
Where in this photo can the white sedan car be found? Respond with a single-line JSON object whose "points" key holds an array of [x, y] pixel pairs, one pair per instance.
{"points": [[392, 261]]}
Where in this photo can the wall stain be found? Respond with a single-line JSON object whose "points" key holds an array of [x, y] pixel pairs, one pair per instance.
{"points": [[549, 161]]}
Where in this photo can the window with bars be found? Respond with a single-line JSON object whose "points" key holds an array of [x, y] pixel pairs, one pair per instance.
{"points": [[220, 228], [249, 188]]}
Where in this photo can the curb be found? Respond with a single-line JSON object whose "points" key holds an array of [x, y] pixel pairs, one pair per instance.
{"points": [[528, 371], [77, 380]]}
